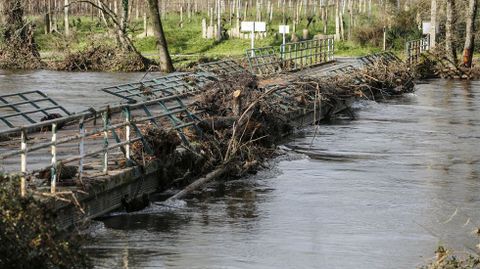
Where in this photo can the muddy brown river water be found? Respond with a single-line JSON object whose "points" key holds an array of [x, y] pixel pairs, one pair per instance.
{"points": [[382, 191]]}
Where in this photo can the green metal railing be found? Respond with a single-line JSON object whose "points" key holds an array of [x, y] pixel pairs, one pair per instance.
{"points": [[264, 61], [415, 48], [383, 57], [303, 54], [172, 84], [225, 67], [290, 56], [116, 134], [28, 107]]}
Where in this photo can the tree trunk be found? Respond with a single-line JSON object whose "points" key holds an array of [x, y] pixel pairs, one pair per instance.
{"points": [[165, 60], [219, 21], [449, 27], [350, 25], [325, 19], [50, 15], [124, 18], [470, 34], [337, 20], [47, 18], [342, 26], [433, 24], [66, 20]]}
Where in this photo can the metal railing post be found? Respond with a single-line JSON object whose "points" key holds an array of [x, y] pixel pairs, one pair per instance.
{"points": [[23, 163], [106, 118], [428, 40], [81, 146], [127, 133], [331, 48], [53, 169], [407, 51]]}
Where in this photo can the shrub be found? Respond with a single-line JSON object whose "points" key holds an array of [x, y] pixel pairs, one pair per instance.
{"points": [[404, 28], [371, 35], [29, 236]]}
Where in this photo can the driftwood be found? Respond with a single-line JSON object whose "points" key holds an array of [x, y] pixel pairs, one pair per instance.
{"points": [[215, 174], [216, 123]]}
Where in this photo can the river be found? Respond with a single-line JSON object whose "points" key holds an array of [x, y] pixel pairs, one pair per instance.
{"points": [[74, 91], [382, 191]]}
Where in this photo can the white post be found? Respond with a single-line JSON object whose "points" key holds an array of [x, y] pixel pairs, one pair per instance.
{"points": [[384, 38], [328, 48], [127, 134], [253, 40], [53, 179], [23, 163], [145, 25], [81, 147], [219, 21], [105, 141], [66, 21]]}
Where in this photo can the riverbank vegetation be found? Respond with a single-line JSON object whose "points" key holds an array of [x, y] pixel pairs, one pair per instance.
{"points": [[436, 64], [459, 21], [60, 29], [447, 259], [29, 235]]}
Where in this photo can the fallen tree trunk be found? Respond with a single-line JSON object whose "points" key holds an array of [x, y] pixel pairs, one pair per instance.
{"points": [[199, 183]]}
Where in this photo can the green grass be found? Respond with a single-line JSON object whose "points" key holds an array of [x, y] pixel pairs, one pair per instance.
{"points": [[185, 44], [348, 48]]}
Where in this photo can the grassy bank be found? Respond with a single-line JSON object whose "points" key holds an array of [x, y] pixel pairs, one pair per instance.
{"points": [[185, 43]]}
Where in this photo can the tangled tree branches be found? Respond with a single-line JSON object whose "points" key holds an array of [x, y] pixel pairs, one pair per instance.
{"points": [[445, 259], [29, 236], [246, 119], [103, 58], [435, 64], [379, 80], [243, 122]]}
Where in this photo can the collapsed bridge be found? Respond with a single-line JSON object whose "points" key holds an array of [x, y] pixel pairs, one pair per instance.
{"points": [[93, 156]]}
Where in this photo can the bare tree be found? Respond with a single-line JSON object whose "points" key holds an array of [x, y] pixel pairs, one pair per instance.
{"points": [[337, 20], [219, 21], [66, 20], [470, 34], [166, 64], [111, 19], [449, 32], [433, 24]]}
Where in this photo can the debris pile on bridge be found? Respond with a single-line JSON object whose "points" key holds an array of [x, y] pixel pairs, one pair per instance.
{"points": [[163, 143], [242, 122], [377, 82]]}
